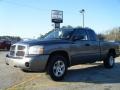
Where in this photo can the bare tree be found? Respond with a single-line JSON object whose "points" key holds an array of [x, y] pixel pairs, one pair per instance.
{"points": [[113, 34]]}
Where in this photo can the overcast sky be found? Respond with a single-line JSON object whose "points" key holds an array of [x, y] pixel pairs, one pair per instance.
{"points": [[30, 18]]}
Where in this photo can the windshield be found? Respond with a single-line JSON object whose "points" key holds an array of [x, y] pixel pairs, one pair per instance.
{"points": [[59, 34]]}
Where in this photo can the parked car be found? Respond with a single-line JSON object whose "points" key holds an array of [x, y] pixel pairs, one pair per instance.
{"points": [[61, 49], [5, 45]]}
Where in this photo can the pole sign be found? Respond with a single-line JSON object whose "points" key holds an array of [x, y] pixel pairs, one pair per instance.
{"points": [[57, 25], [57, 16]]}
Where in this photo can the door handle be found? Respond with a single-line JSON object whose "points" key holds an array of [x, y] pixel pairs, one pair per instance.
{"points": [[87, 44]]}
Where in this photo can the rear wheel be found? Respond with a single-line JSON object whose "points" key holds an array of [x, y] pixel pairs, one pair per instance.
{"points": [[57, 67], [109, 62]]}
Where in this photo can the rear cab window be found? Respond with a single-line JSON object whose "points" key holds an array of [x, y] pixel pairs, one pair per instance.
{"points": [[92, 36], [81, 32]]}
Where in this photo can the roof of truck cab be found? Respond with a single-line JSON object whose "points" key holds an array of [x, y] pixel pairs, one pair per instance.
{"points": [[79, 28], [84, 29]]}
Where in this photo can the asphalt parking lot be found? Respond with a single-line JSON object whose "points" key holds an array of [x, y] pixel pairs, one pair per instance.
{"points": [[82, 77]]}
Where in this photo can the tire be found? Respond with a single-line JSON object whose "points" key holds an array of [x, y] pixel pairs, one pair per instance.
{"points": [[57, 67], [109, 62]]}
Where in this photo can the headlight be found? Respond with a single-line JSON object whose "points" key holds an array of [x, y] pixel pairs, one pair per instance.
{"points": [[36, 50]]}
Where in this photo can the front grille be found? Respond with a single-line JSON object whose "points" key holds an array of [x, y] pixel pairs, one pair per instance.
{"points": [[21, 47], [20, 53], [18, 50], [12, 48], [12, 53]]}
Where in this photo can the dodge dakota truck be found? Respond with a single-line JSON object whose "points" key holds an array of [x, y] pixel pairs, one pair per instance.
{"points": [[61, 49]]}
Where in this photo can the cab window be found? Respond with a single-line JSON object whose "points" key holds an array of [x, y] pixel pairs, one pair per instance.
{"points": [[80, 35]]}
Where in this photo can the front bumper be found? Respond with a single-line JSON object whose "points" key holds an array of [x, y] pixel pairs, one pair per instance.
{"points": [[32, 63]]}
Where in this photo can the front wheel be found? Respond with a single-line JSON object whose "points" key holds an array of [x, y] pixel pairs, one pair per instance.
{"points": [[109, 62], [57, 67]]}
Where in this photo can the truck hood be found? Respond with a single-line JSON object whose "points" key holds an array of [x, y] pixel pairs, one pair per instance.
{"points": [[45, 42]]}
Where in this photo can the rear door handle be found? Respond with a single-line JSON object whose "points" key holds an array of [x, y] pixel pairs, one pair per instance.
{"points": [[87, 44]]}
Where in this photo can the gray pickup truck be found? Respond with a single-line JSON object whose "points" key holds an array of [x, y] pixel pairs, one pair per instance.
{"points": [[61, 49]]}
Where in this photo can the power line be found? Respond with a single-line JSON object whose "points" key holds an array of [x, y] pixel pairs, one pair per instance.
{"points": [[28, 6], [22, 5]]}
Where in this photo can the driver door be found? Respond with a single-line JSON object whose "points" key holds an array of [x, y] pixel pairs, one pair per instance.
{"points": [[80, 47]]}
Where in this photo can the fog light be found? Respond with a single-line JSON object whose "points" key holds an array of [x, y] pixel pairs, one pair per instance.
{"points": [[27, 64]]}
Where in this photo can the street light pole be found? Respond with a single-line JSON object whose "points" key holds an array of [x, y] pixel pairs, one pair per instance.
{"points": [[83, 17]]}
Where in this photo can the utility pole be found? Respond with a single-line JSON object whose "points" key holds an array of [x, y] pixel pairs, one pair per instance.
{"points": [[83, 17]]}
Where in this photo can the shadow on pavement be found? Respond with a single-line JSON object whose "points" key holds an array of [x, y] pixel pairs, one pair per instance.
{"points": [[93, 74], [96, 74]]}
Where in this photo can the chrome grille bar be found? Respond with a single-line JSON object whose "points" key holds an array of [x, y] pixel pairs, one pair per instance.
{"points": [[18, 50]]}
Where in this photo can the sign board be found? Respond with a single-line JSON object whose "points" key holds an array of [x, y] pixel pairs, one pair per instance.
{"points": [[57, 16]]}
